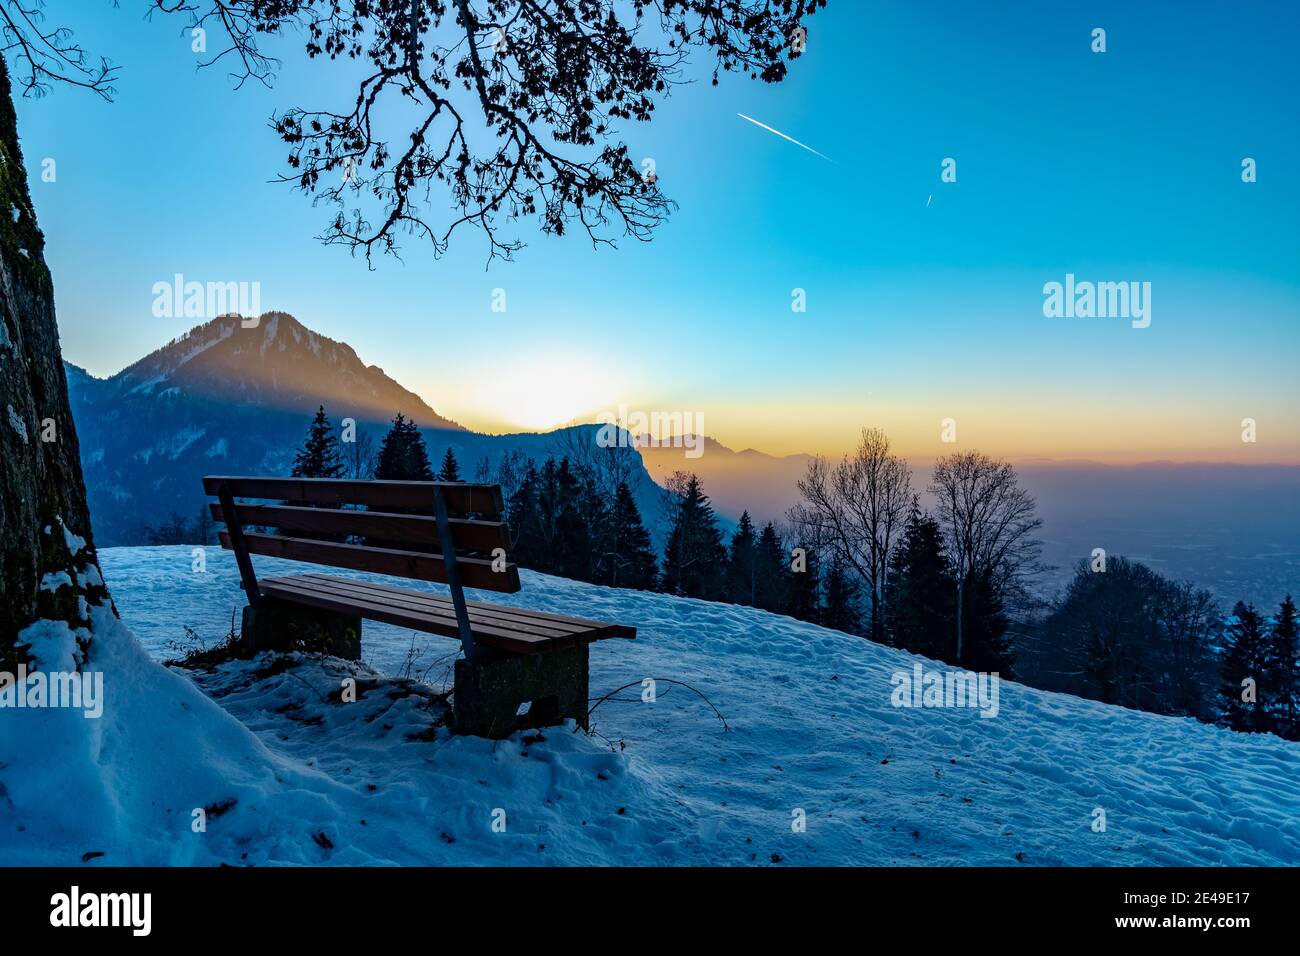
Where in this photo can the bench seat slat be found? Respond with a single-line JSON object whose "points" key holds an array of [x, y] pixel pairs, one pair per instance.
{"points": [[422, 603], [502, 640], [519, 635], [600, 628], [474, 572]]}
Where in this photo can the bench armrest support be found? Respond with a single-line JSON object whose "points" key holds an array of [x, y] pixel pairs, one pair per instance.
{"points": [[448, 546], [238, 545]]}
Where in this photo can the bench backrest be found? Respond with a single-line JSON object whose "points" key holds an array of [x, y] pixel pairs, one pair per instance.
{"points": [[404, 516]]}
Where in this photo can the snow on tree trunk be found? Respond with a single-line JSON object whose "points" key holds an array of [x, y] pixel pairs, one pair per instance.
{"points": [[48, 567]]}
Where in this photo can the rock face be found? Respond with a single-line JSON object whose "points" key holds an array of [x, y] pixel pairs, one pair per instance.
{"points": [[48, 567]]}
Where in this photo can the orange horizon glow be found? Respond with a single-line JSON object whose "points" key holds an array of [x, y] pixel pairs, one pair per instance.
{"points": [[834, 442], [1047, 432]]}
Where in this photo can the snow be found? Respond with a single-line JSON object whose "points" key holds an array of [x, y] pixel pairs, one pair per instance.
{"points": [[170, 360], [812, 733], [53, 580], [17, 424], [271, 329], [53, 645], [124, 784], [90, 577], [176, 445], [197, 348], [74, 542], [147, 385]]}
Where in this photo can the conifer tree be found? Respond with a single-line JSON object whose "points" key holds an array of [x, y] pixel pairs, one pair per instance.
{"points": [[920, 611], [578, 510], [1246, 668], [988, 645], [555, 533], [319, 455], [450, 470], [630, 561], [841, 606], [772, 585], [317, 458], [695, 559], [742, 581], [402, 454], [522, 517], [596, 514], [1284, 675], [804, 600], [547, 505]]}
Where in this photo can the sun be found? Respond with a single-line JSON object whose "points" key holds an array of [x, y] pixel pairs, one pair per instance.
{"points": [[542, 394]]}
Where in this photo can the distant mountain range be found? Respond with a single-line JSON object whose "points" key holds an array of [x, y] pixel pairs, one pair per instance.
{"points": [[225, 398], [736, 481]]}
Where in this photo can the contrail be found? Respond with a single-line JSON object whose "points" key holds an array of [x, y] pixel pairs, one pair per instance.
{"points": [[783, 136]]}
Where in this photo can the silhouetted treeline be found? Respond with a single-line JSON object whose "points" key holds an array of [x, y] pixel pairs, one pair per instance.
{"points": [[1124, 634], [860, 555], [1259, 687]]}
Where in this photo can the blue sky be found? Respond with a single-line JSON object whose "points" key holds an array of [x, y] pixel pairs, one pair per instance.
{"points": [[924, 298]]}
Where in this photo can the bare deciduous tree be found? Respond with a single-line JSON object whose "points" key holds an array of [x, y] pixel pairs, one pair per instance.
{"points": [[859, 506], [605, 465], [510, 472], [989, 525], [359, 455]]}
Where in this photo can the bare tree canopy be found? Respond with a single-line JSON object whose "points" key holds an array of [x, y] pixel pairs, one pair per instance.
{"points": [[497, 109], [989, 525], [860, 507], [988, 518]]}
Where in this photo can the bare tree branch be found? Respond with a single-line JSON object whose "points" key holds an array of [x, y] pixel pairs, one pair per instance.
{"points": [[509, 107], [41, 56], [989, 524], [859, 506]]}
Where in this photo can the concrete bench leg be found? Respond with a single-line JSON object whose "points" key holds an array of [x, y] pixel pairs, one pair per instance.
{"points": [[284, 626], [490, 692]]}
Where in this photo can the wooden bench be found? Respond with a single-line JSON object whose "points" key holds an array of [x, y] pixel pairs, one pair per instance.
{"points": [[448, 532]]}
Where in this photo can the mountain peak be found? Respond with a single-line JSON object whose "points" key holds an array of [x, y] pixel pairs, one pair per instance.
{"points": [[275, 361]]}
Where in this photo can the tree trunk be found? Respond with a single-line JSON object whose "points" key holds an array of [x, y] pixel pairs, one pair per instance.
{"points": [[961, 611], [44, 521]]}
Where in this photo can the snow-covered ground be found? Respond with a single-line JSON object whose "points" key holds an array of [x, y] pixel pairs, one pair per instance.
{"points": [[813, 736]]}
